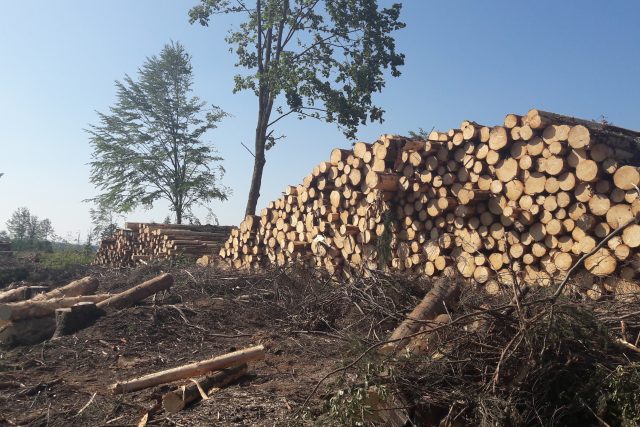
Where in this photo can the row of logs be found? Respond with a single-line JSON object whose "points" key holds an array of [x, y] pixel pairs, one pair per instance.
{"points": [[527, 198], [141, 242]]}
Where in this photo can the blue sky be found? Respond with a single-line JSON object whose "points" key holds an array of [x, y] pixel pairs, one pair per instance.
{"points": [[464, 60]]}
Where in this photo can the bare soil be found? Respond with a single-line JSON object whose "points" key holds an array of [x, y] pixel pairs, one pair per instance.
{"points": [[308, 328]]}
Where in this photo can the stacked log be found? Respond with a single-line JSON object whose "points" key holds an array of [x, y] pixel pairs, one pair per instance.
{"points": [[141, 242], [524, 199]]}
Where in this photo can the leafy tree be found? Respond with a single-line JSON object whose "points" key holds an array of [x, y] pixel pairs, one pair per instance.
{"points": [[322, 59], [24, 226], [104, 222], [149, 146]]}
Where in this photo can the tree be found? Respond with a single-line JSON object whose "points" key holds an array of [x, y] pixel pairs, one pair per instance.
{"points": [[149, 146], [103, 219], [322, 59], [24, 226]]}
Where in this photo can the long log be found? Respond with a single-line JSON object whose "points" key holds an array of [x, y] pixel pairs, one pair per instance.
{"points": [[176, 401], [137, 293], [190, 370], [85, 286], [31, 309]]}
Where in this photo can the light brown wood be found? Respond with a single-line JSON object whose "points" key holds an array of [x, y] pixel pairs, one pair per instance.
{"points": [[43, 308], [626, 178], [85, 286], [137, 293], [190, 370], [443, 294]]}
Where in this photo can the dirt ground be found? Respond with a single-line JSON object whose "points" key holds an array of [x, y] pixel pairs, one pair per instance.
{"points": [[308, 330]]}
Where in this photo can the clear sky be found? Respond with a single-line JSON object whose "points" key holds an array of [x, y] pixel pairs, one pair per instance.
{"points": [[469, 59]]}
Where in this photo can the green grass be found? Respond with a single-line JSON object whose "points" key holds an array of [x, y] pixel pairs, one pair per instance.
{"points": [[63, 260]]}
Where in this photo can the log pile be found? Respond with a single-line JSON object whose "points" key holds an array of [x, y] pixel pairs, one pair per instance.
{"points": [[141, 242], [67, 309], [530, 197]]}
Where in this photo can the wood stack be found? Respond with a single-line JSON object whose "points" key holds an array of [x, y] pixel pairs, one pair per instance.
{"points": [[531, 196], [141, 242]]}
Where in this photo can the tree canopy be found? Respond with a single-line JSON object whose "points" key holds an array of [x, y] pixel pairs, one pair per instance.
{"points": [[149, 146], [23, 225], [323, 59]]}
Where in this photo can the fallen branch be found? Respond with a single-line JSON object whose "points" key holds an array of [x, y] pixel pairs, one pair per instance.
{"points": [[190, 370]]}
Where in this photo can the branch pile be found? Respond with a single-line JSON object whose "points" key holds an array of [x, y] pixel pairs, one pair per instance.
{"points": [[140, 242], [534, 194]]}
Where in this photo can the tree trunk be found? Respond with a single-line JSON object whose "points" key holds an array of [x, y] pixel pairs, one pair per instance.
{"points": [[265, 104]]}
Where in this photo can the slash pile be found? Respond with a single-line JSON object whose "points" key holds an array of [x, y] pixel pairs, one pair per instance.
{"points": [[140, 242], [530, 197]]}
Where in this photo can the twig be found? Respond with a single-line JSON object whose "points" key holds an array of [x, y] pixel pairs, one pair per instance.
{"points": [[93, 396]]}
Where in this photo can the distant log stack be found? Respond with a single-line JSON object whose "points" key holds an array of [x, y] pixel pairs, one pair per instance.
{"points": [[528, 197], [141, 242]]}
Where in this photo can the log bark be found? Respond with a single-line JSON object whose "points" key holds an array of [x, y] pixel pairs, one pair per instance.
{"points": [[190, 370], [179, 399], [137, 293]]}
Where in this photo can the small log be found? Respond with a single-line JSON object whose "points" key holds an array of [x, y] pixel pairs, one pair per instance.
{"points": [[190, 370], [176, 401], [137, 293]]}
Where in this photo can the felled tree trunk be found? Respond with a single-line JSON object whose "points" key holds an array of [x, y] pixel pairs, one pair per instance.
{"points": [[32, 309], [137, 293], [434, 303], [21, 293], [85, 286]]}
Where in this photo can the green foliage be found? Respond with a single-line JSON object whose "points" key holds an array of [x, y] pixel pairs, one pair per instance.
{"points": [[419, 134], [620, 397], [66, 260], [149, 146], [352, 405], [103, 221], [31, 245], [23, 225], [12, 274], [326, 58]]}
